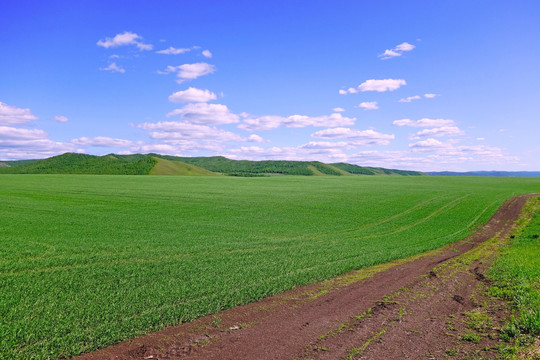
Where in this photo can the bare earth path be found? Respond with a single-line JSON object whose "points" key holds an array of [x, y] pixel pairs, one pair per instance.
{"points": [[415, 309]]}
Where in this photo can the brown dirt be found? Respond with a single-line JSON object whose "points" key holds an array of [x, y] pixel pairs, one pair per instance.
{"points": [[418, 308]]}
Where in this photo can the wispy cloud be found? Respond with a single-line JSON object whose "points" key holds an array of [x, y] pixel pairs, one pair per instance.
{"points": [[269, 122], [416, 97], [192, 94], [123, 39], [60, 118], [207, 53], [425, 122], [439, 132], [102, 141], [355, 137], [409, 99], [114, 68], [173, 51], [376, 85], [397, 51], [338, 109]]}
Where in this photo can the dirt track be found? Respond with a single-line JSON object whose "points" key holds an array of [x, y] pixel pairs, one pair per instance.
{"points": [[403, 310]]}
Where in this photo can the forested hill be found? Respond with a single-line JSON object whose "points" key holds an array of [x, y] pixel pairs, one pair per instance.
{"points": [[156, 164]]}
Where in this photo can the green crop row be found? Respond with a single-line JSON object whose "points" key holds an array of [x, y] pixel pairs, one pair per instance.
{"points": [[88, 261]]}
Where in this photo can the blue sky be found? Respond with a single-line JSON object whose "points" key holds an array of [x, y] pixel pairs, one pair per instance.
{"points": [[423, 85]]}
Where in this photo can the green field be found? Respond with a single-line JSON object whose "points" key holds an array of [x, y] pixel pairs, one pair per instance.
{"points": [[87, 261], [516, 278]]}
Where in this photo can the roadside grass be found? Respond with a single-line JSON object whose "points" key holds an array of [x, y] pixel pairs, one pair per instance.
{"points": [[516, 276], [88, 261]]}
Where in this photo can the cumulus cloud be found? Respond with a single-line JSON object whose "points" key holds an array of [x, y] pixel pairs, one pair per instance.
{"points": [[126, 38], [338, 109], [355, 137], [427, 145], [255, 138], [430, 96], [205, 114], [207, 53], [173, 51], [189, 71], [192, 95], [425, 122], [102, 141], [8, 133], [439, 132], [269, 122], [114, 68], [371, 105], [18, 143], [308, 152], [376, 85], [60, 118], [12, 115], [181, 130], [397, 51]]}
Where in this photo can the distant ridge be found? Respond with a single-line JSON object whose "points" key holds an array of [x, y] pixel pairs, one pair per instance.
{"points": [[487, 173], [156, 164]]}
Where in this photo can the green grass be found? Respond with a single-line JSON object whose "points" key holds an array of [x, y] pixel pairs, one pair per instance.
{"points": [[517, 278], [87, 261], [167, 167]]}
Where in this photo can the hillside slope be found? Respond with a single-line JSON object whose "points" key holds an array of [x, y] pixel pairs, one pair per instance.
{"points": [[70, 163], [156, 164], [168, 167]]}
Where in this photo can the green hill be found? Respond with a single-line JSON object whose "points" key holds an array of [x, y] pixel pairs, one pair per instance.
{"points": [[70, 163], [156, 164], [169, 167]]}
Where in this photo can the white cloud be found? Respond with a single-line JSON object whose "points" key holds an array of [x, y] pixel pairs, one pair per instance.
{"points": [[480, 139], [397, 51], [355, 137], [192, 95], [12, 115], [409, 99], [18, 143], [60, 118], [430, 96], [11, 133], [114, 68], [126, 38], [207, 53], [338, 109], [102, 142], [205, 114], [181, 136], [427, 145], [295, 121], [173, 51], [425, 122], [307, 152], [441, 131], [405, 46], [371, 105], [324, 145], [255, 138], [189, 71], [181, 130], [376, 85]]}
